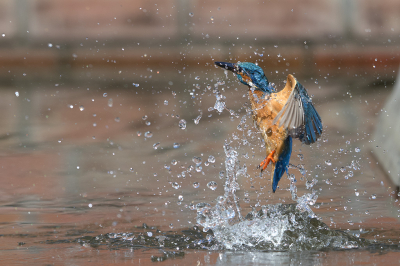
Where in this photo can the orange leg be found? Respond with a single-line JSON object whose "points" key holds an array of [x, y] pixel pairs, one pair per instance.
{"points": [[266, 161]]}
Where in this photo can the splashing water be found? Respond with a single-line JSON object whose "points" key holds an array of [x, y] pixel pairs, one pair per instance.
{"points": [[274, 227]]}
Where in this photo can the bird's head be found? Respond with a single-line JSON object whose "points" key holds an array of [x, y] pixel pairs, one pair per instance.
{"points": [[249, 74]]}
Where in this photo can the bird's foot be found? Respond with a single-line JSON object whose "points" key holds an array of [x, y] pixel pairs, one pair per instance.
{"points": [[267, 160]]}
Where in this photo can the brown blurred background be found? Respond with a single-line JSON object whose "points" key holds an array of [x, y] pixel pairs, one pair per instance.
{"points": [[69, 41]]}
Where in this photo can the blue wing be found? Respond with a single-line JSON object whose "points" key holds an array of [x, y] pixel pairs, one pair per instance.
{"points": [[299, 116], [282, 164]]}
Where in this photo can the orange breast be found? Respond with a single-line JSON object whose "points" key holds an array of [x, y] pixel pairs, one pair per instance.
{"points": [[265, 109]]}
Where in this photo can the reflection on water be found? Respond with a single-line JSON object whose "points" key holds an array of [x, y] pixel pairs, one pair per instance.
{"points": [[76, 165]]}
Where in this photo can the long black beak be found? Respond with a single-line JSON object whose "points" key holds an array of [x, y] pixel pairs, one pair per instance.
{"points": [[228, 66]]}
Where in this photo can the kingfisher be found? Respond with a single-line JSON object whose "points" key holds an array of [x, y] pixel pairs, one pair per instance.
{"points": [[279, 116]]}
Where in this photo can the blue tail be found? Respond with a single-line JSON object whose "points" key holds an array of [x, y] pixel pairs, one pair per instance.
{"points": [[282, 164]]}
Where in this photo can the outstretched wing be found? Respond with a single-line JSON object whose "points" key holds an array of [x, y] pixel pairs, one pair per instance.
{"points": [[299, 116]]}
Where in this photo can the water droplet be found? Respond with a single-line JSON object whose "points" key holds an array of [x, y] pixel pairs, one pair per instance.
{"points": [[105, 94], [212, 185], [71, 106], [190, 14], [212, 18], [135, 84], [211, 159], [197, 78], [110, 102], [50, 45], [357, 149], [171, 225], [148, 134], [180, 197], [328, 162], [144, 117], [148, 123], [90, 205], [175, 185], [81, 108], [3, 35], [198, 168], [367, 212], [182, 124], [117, 119], [196, 184], [174, 162], [196, 160], [350, 174], [373, 196], [357, 193], [17, 93], [176, 145], [139, 133], [165, 102], [131, 170], [149, 234], [221, 174], [197, 120], [156, 145]]}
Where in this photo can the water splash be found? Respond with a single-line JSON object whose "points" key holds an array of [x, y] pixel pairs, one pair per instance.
{"points": [[275, 227]]}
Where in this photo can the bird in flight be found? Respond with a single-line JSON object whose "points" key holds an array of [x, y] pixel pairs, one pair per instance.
{"points": [[280, 116]]}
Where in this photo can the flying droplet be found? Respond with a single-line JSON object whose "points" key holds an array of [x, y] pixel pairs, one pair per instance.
{"points": [[17, 93], [211, 159], [50, 45], [135, 84], [182, 124], [156, 145], [3, 35], [212, 185], [71, 106], [148, 134], [81, 108], [197, 120], [110, 102], [176, 145], [196, 160]]}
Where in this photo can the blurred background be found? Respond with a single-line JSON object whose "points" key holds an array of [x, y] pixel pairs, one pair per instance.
{"points": [[92, 93]]}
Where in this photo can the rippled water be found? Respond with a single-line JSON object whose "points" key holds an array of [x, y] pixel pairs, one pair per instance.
{"points": [[143, 175]]}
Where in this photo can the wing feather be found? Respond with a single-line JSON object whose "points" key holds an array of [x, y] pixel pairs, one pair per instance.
{"points": [[299, 116]]}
